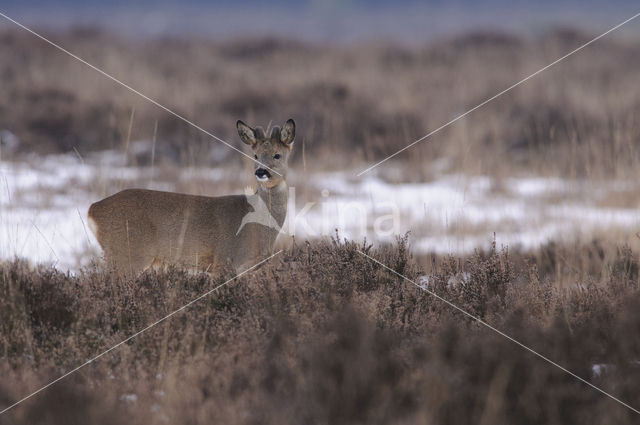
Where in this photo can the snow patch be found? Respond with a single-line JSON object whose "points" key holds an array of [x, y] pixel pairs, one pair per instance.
{"points": [[44, 203]]}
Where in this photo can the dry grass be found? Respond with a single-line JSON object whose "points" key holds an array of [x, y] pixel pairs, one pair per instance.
{"points": [[323, 335], [577, 119]]}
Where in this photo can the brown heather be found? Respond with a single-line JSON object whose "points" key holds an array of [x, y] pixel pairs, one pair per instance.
{"points": [[322, 335]]}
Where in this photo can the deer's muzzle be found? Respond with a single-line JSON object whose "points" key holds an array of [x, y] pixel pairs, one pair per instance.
{"points": [[262, 174]]}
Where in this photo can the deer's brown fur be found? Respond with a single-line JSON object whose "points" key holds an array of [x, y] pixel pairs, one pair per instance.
{"points": [[139, 228]]}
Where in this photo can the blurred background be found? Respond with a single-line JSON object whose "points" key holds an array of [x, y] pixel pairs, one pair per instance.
{"points": [[555, 159], [320, 20]]}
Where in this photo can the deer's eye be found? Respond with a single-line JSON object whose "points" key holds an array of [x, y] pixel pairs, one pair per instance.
{"points": [[255, 156], [276, 156]]}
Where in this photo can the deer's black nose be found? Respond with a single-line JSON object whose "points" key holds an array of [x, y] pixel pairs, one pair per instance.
{"points": [[261, 173]]}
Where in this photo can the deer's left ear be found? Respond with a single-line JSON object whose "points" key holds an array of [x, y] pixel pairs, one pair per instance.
{"points": [[288, 132]]}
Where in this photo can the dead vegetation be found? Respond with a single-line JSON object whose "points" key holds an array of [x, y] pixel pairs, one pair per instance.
{"points": [[578, 119], [323, 335]]}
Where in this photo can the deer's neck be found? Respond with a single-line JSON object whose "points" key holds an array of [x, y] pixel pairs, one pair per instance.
{"points": [[275, 199]]}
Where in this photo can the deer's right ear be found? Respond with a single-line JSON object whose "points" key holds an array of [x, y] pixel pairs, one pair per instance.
{"points": [[247, 135], [288, 132]]}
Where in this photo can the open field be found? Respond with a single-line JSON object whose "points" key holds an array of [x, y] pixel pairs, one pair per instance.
{"points": [[322, 335], [44, 201], [525, 214], [578, 119], [554, 159]]}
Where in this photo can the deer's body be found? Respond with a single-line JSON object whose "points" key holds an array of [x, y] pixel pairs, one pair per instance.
{"points": [[139, 228]]}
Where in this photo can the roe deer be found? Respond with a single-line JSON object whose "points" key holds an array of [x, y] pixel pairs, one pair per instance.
{"points": [[139, 228]]}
